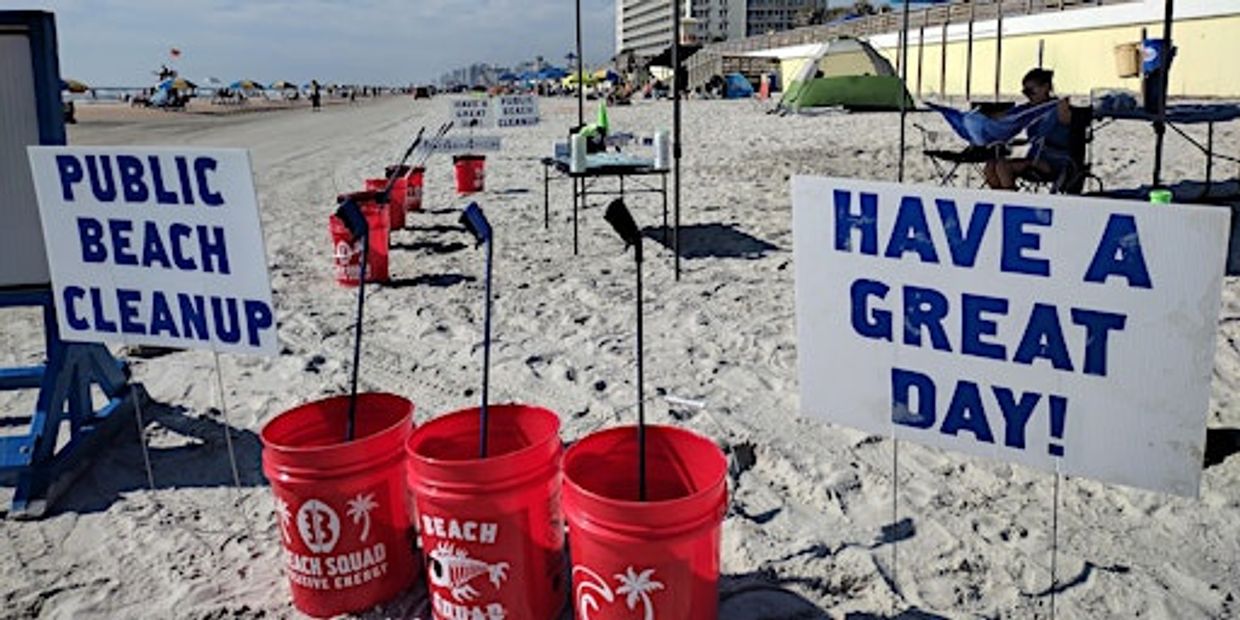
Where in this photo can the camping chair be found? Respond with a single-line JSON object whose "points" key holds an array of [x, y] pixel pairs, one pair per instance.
{"points": [[988, 138], [1072, 179]]}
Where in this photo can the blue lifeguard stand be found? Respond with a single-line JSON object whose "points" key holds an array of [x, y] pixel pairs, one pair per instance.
{"points": [[41, 463]]}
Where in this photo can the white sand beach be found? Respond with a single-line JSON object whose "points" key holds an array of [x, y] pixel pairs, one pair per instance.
{"points": [[810, 503]]}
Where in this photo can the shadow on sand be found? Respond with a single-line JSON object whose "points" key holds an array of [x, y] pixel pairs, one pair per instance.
{"points": [[185, 450], [712, 241]]}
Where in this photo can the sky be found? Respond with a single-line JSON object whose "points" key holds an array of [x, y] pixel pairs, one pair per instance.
{"points": [[120, 42]]}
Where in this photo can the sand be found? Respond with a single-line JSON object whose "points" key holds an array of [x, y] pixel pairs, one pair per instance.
{"points": [[808, 532]]}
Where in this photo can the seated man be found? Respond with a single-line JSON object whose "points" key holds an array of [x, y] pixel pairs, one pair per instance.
{"points": [[1049, 138]]}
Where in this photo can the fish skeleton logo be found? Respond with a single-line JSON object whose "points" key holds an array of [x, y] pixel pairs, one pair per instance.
{"points": [[318, 525], [451, 567]]}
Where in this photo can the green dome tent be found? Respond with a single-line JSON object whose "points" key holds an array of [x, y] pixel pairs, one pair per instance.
{"points": [[846, 73]]}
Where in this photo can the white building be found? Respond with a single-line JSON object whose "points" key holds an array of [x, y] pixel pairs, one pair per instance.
{"points": [[644, 27]]}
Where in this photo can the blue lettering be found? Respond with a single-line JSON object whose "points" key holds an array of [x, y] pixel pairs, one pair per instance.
{"points": [[964, 246], [228, 331], [258, 316], [1016, 239], [1119, 254], [178, 232], [127, 300], [911, 232], [974, 325], [1044, 338], [965, 413], [70, 173], [75, 320], [1015, 414], [187, 190], [193, 316], [866, 222], [99, 169], [90, 233], [202, 165], [1098, 326], [162, 320], [925, 307], [903, 384], [875, 324], [101, 322], [131, 178], [162, 195], [121, 253], [153, 250], [214, 253]]}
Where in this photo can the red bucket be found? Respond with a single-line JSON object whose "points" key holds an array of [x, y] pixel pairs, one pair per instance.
{"points": [[470, 173], [661, 554], [491, 528], [346, 254], [396, 199], [342, 506], [413, 189]]}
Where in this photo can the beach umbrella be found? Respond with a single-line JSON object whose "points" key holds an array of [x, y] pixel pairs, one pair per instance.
{"points": [[246, 85], [74, 86], [178, 83], [284, 85], [552, 73], [475, 221], [508, 76]]}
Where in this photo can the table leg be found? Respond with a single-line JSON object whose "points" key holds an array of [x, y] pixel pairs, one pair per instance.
{"points": [[1209, 155], [622, 187], [665, 230], [575, 198], [546, 199]]}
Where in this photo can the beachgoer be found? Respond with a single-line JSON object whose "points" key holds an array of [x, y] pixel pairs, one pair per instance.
{"points": [[316, 98], [1049, 151]]}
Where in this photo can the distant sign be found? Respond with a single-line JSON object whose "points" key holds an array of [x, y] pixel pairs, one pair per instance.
{"points": [[462, 144], [472, 112], [516, 110], [1059, 332], [155, 246]]}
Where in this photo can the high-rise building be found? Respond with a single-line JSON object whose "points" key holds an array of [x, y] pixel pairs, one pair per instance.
{"points": [[765, 16], [644, 27]]}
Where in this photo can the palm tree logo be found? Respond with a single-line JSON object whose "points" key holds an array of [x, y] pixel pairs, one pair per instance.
{"points": [[638, 586], [359, 510], [286, 517], [634, 586]]}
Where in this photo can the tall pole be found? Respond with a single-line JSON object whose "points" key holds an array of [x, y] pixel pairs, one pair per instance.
{"points": [[998, 48], [968, 58], [903, 92], [943, 60], [675, 135], [581, 91], [1164, 70]]}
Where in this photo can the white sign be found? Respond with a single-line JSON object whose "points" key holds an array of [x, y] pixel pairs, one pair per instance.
{"points": [[516, 110], [155, 246], [472, 112], [1064, 333], [462, 144]]}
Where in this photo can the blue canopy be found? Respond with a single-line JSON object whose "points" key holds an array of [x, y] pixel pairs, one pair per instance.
{"points": [[508, 76], [552, 73]]}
